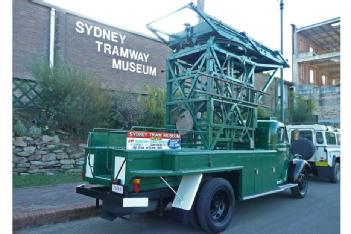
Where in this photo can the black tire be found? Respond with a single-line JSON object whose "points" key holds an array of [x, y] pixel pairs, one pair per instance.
{"points": [[193, 219], [303, 147], [301, 189], [335, 173], [215, 205]]}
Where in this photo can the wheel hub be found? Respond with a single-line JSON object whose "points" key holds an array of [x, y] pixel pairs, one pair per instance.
{"points": [[219, 206]]}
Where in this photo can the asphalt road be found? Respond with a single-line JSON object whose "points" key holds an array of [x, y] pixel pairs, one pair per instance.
{"points": [[318, 212]]}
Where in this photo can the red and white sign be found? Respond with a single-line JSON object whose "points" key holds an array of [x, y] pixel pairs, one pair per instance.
{"points": [[139, 140]]}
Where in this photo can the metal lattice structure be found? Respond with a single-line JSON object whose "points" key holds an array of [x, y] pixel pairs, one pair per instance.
{"points": [[25, 93], [211, 97]]}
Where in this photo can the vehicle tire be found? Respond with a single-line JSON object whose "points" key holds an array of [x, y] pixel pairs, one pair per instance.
{"points": [[193, 219], [215, 205], [303, 147], [300, 190], [335, 173]]}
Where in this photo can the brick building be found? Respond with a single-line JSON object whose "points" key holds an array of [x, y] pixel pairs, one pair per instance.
{"points": [[120, 60], [316, 67], [272, 99]]}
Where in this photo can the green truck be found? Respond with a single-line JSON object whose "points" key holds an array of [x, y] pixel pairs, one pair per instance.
{"points": [[213, 150]]}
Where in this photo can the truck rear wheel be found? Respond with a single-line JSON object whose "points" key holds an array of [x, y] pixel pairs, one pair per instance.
{"points": [[300, 190], [215, 205], [335, 173]]}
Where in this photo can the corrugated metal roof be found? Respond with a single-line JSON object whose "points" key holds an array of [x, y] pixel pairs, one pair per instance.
{"points": [[325, 34]]}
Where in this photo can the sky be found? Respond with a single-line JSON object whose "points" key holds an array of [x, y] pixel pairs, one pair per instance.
{"points": [[260, 19]]}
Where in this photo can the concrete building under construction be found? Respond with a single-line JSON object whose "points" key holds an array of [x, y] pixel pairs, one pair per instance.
{"points": [[316, 67]]}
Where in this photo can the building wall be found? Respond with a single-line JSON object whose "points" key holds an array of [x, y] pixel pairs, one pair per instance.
{"points": [[87, 52], [325, 95], [31, 26], [77, 46], [326, 100], [304, 45], [74, 45], [271, 99]]}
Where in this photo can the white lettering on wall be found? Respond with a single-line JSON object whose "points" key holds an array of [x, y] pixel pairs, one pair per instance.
{"points": [[118, 51], [110, 48], [133, 67], [98, 32], [79, 27]]}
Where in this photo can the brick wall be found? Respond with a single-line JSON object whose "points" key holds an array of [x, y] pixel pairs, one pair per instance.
{"points": [[81, 51], [304, 44], [31, 26], [31, 35], [272, 98], [326, 99]]}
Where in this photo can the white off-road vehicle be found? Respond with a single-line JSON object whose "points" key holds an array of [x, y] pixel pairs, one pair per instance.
{"points": [[320, 146]]}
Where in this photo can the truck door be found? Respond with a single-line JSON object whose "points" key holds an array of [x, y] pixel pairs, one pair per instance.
{"points": [[282, 156], [273, 166]]}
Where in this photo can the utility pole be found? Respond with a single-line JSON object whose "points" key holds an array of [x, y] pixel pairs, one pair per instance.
{"points": [[281, 69], [200, 4]]}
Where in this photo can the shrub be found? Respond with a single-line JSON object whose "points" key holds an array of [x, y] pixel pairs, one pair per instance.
{"points": [[125, 110], [70, 99], [301, 110], [34, 132], [20, 129], [154, 107], [262, 113]]}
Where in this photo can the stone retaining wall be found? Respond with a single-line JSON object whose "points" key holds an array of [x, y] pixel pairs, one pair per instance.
{"points": [[326, 99], [45, 155]]}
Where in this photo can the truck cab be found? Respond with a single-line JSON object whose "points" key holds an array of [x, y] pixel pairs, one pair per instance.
{"points": [[325, 140]]}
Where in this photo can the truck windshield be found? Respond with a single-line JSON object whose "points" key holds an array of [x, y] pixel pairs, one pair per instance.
{"points": [[282, 135]]}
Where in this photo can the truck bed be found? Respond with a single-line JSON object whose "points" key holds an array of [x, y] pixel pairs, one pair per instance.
{"points": [[257, 168]]}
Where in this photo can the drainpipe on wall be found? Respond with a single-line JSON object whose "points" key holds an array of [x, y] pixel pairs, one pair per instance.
{"points": [[52, 37], [282, 117]]}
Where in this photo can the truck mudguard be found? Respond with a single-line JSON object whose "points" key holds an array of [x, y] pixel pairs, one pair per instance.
{"points": [[296, 166]]}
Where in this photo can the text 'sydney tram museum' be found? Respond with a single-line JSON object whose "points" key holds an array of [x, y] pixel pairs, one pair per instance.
{"points": [[118, 59]]}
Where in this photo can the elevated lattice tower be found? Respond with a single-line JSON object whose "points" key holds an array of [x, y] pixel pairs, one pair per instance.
{"points": [[211, 95]]}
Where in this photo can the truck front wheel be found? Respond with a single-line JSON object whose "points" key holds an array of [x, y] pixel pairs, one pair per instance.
{"points": [[300, 190], [215, 205]]}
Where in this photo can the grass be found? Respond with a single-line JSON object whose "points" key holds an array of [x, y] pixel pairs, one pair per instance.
{"points": [[43, 180]]}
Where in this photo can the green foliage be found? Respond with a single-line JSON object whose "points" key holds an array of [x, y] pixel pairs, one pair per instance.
{"points": [[20, 128], [34, 132], [301, 110], [154, 109], [262, 113], [125, 110], [71, 100]]}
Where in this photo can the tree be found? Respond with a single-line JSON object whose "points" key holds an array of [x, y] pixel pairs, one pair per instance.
{"points": [[70, 99], [154, 107], [125, 110], [262, 113], [301, 110]]}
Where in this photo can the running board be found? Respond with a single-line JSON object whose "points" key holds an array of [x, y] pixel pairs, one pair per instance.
{"points": [[280, 189]]}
